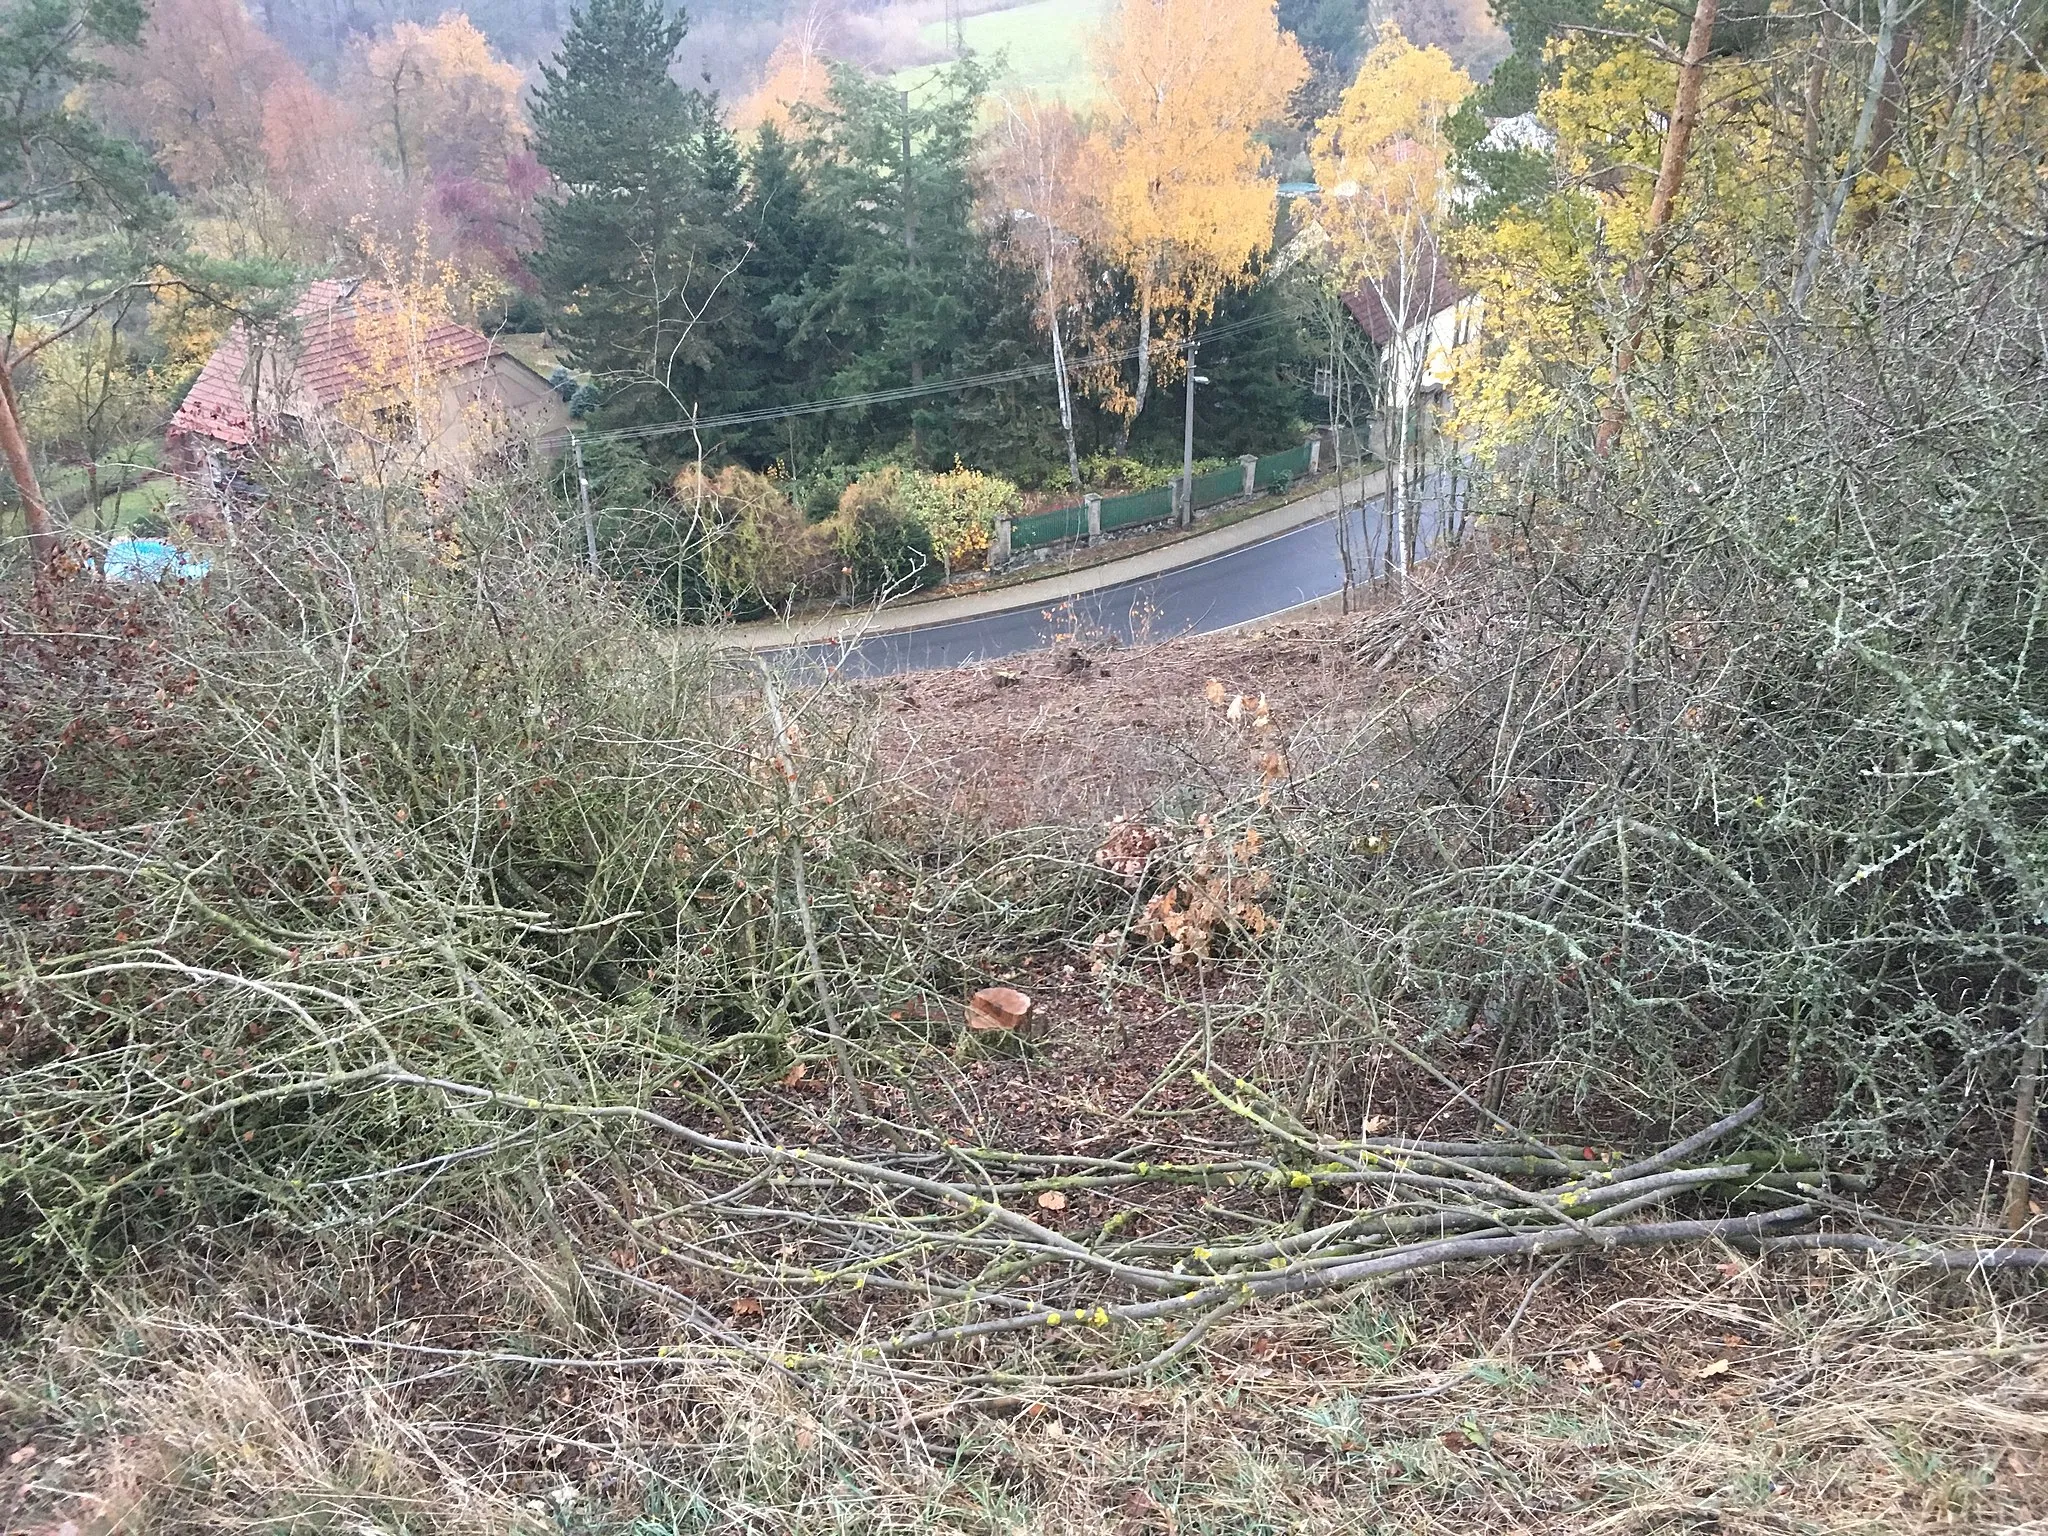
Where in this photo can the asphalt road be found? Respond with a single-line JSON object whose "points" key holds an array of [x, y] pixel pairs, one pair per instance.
{"points": [[1224, 590]]}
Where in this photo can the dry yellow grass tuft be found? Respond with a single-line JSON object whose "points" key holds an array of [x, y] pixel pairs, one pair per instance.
{"points": [[1661, 1393]]}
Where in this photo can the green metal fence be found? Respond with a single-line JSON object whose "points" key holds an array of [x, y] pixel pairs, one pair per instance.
{"points": [[1135, 507], [1157, 504], [1219, 485], [1279, 468], [1042, 528]]}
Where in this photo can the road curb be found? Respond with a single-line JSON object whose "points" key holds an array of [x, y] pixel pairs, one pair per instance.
{"points": [[849, 627]]}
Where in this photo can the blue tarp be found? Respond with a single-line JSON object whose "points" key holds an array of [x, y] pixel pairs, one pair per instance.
{"points": [[151, 560]]}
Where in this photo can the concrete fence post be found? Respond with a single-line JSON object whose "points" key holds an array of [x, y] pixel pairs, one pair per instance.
{"points": [[1094, 506], [1250, 461], [1315, 453], [999, 549]]}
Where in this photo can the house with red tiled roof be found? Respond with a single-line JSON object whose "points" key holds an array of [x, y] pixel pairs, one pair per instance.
{"points": [[1419, 318], [356, 369]]}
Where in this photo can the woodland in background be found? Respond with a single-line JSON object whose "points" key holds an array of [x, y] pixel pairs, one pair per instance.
{"points": [[853, 241], [681, 270]]}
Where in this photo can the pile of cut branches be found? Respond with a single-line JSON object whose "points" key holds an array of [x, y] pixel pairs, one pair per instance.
{"points": [[1723, 769], [943, 1251], [355, 804]]}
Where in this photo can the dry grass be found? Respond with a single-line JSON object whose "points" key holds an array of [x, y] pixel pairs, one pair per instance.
{"points": [[1671, 1393]]}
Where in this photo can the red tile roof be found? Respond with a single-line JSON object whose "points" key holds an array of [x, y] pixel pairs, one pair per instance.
{"points": [[330, 359], [1429, 289]]}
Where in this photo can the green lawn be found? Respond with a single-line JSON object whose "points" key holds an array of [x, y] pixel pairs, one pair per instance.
{"points": [[65, 485], [1045, 46], [531, 348]]}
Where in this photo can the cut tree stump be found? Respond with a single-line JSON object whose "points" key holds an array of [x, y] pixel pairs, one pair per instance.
{"points": [[998, 1021]]}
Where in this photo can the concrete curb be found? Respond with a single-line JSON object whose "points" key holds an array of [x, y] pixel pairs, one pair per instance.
{"points": [[853, 625]]}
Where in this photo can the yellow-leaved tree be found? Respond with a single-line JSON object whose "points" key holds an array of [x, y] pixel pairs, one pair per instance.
{"points": [[413, 430], [1669, 205], [1382, 159], [439, 101], [1183, 177], [958, 509]]}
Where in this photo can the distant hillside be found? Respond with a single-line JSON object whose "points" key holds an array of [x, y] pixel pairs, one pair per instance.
{"points": [[1043, 47], [728, 43]]}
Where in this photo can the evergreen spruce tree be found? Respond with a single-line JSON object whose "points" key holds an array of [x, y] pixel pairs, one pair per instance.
{"points": [[1260, 363], [636, 255], [774, 359], [1013, 428], [896, 306]]}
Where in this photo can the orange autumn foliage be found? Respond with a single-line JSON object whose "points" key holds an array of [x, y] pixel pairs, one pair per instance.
{"points": [[438, 101], [797, 76], [424, 142], [1034, 167], [197, 92]]}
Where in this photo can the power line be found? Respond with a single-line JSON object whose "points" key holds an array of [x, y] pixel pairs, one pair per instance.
{"points": [[905, 392], [902, 392]]}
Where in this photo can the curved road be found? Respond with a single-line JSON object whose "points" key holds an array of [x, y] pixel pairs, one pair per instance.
{"points": [[1233, 588]]}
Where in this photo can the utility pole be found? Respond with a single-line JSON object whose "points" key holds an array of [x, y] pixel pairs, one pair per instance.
{"points": [[910, 258], [583, 499], [1187, 448], [1344, 550]]}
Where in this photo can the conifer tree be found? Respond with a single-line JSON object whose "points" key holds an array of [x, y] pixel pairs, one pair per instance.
{"points": [[636, 256], [773, 361], [896, 305]]}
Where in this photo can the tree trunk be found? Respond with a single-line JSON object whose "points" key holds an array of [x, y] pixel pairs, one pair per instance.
{"points": [[398, 123], [1685, 115], [1816, 99], [1884, 127], [42, 528], [1866, 122], [1345, 554], [2026, 1110], [1059, 363], [1397, 496], [1394, 412], [910, 265], [1144, 362]]}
